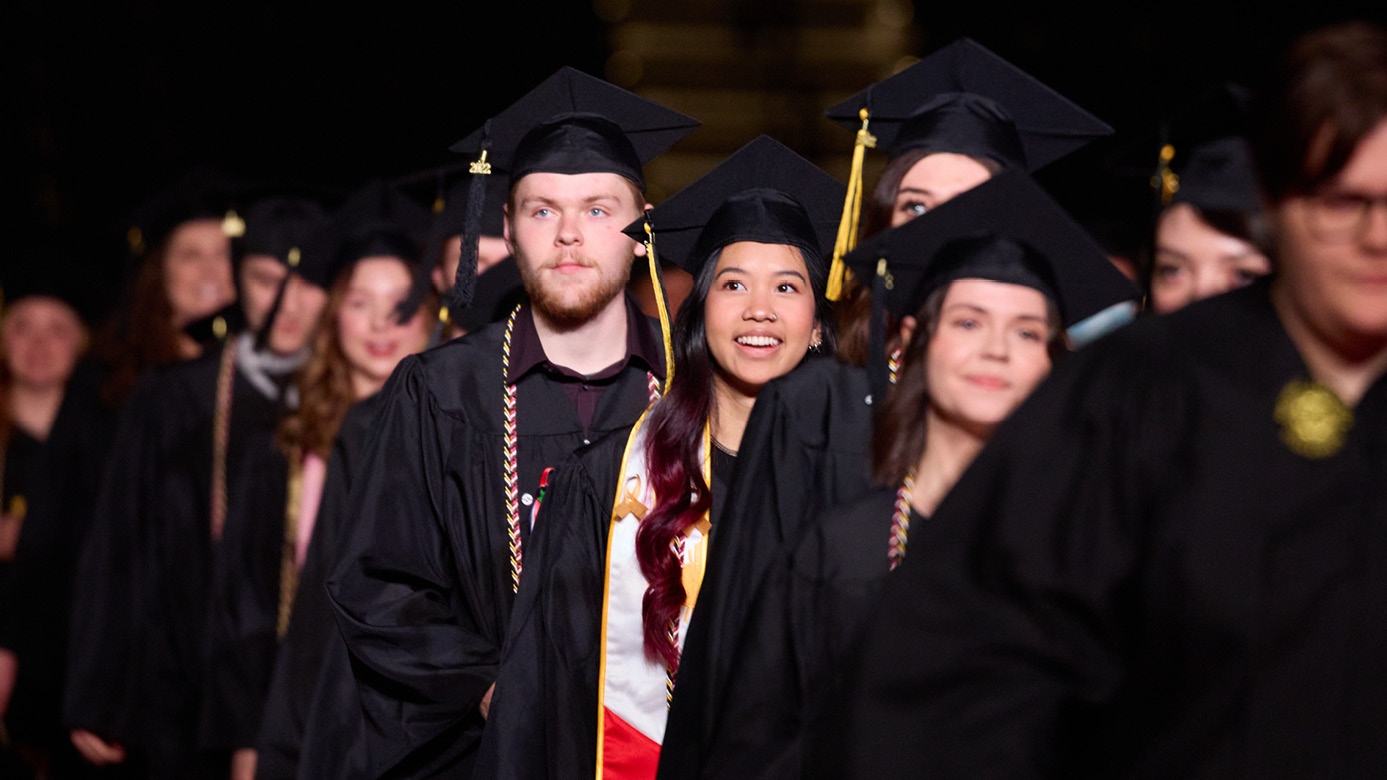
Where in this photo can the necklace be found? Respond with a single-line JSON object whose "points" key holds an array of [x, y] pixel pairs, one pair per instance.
{"points": [[900, 521], [510, 469]]}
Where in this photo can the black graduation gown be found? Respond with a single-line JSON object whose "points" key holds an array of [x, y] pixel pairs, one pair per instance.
{"points": [[543, 721], [312, 653], [423, 589], [1138, 578], [805, 620], [806, 446], [36, 605], [22, 455], [135, 673]]}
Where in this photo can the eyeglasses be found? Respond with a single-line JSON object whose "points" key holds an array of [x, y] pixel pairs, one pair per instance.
{"points": [[1341, 217]]}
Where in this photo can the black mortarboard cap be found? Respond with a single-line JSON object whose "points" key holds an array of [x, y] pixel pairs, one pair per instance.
{"points": [[764, 192], [967, 100], [571, 123], [51, 270], [200, 193], [576, 123], [1079, 277], [376, 220], [281, 227], [1218, 175]]}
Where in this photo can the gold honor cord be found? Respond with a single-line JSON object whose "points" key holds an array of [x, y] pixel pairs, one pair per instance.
{"points": [[288, 559], [852, 213], [660, 304]]}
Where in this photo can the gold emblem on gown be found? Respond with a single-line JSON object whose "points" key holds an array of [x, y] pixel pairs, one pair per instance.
{"points": [[1314, 422]]}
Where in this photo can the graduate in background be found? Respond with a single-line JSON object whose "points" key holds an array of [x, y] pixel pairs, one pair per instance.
{"points": [[182, 241], [191, 433], [312, 718], [55, 432], [981, 285], [593, 656], [367, 259], [1211, 234], [1170, 561], [439, 522]]}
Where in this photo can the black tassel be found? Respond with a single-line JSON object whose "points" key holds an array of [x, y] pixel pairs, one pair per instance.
{"points": [[878, 375], [465, 283], [262, 336]]}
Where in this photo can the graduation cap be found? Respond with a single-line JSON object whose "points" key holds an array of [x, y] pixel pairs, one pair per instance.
{"points": [[201, 193], [764, 192], [1007, 229], [1218, 175], [281, 227], [966, 100], [51, 270], [570, 123], [499, 289], [1081, 281]]}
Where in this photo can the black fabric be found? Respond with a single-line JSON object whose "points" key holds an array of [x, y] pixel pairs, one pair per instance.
{"points": [[312, 650], [1138, 578], [805, 622], [277, 227], [1219, 176], [135, 674], [35, 602], [422, 591], [806, 446], [962, 123], [902, 115], [648, 128], [763, 192]]}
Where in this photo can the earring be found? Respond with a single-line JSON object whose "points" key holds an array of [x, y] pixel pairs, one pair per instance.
{"points": [[893, 365], [814, 346]]}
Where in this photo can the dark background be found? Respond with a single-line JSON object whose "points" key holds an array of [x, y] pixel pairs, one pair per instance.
{"points": [[104, 104]]}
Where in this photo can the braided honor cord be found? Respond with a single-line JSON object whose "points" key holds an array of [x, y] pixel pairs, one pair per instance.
{"points": [[511, 466], [221, 435], [900, 521]]}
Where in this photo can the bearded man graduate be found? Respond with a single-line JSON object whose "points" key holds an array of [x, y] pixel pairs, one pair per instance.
{"points": [[429, 568]]}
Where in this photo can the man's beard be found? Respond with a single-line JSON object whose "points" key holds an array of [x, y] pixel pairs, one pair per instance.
{"points": [[563, 309]]}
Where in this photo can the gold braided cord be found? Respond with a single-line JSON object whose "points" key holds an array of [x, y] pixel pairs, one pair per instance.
{"points": [[838, 274], [660, 304], [900, 521], [510, 474], [288, 565], [221, 435]]}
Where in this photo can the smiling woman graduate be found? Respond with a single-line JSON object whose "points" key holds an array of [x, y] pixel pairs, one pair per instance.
{"points": [[594, 653]]}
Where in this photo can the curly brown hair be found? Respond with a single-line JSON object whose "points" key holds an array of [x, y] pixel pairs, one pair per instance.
{"points": [[324, 382]]}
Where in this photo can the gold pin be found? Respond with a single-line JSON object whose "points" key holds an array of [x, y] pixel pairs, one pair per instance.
{"points": [[293, 257], [438, 205], [480, 166], [219, 328], [1314, 422], [232, 224]]}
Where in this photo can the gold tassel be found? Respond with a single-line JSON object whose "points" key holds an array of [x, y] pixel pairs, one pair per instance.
{"points": [[838, 274], [1166, 181], [660, 304]]}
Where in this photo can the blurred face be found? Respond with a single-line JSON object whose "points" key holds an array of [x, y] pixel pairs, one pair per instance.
{"points": [[197, 270], [298, 314], [565, 233], [1194, 261], [934, 179], [1332, 268], [759, 315], [988, 352], [371, 337], [41, 339], [490, 251]]}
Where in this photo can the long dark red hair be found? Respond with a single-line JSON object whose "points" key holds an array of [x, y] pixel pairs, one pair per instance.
{"points": [[674, 461]]}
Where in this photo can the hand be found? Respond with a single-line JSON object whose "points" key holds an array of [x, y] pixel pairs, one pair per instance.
{"points": [[10, 526], [95, 749], [243, 764], [9, 670], [485, 706]]}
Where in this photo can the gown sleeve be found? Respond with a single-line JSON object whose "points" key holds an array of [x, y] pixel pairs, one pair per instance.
{"points": [[100, 673], [243, 609], [1003, 628], [420, 670], [543, 720]]}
